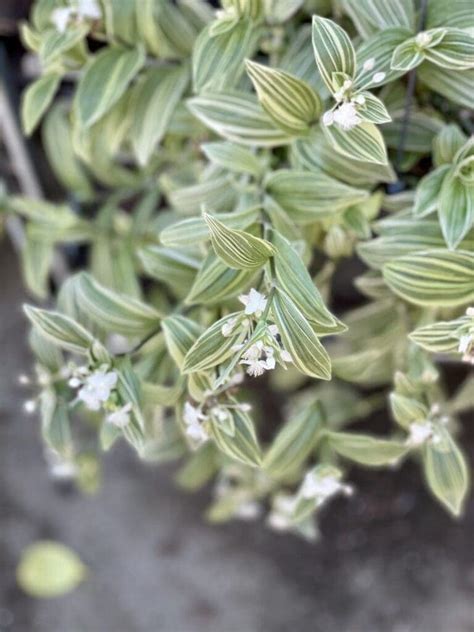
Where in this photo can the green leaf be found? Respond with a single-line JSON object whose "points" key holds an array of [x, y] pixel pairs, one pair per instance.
{"points": [[333, 51], [180, 335], [294, 443], [154, 103], [363, 142], [456, 13], [433, 277], [299, 339], [428, 190], [407, 56], [55, 426], [447, 143], [455, 208], [212, 348], [454, 52], [200, 467], [243, 446], [455, 85], [120, 20], [366, 449], [308, 197], [36, 99], [373, 110], [60, 329], [382, 15], [49, 569], [290, 102], [446, 471], [374, 56], [237, 248], [105, 80], [115, 312], [216, 282], [37, 258], [407, 409], [173, 267], [439, 337], [295, 280], [54, 44], [238, 117], [233, 158]]}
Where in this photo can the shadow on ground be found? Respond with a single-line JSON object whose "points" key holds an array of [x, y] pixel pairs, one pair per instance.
{"points": [[389, 561]]}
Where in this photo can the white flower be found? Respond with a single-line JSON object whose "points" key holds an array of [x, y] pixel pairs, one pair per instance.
{"points": [[30, 406], [23, 379], [346, 116], [89, 9], [420, 432], [97, 388], [60, 18], [359, 99], [378, 77], [228, 327], [249, 510], [369, 64], [74, 382], [465, 343], [192, 417], [423, 39], [254, 302], [120, 417], [285, 356], [278, 521], [328, 118], [252, 357], [322, 487], [470, 312]]}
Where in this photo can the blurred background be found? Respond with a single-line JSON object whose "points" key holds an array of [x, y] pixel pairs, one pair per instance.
{"points": [[388, 560]]}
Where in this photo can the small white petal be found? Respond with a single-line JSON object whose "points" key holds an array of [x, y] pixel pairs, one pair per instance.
{"points": [[369, 64], [29, 406], [378, 77], [328, 118], [60, 18]]}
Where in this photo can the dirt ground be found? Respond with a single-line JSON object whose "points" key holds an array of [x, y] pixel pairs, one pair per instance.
{"points": [[390, 560]]}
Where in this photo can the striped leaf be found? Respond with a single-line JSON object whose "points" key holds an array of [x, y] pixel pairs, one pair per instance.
{"points": [[455, 208], [373, 110], [333, 51], [308, 197], [454, 52], [173, 267], [455, 85], [180, 335], [428, 190], [218, 60], [36, 99], [382, 15], [433, 277], [211, 348], [366, 449], [237, 248], [374, 56], [216, 282], [446, 471], [105, 80], [421, 130], [114, 312], [243, 446], [299, 339], [456, 13], [238, 117], [295, 280], [159, 395], [294, 443], [154, 103], [407, 56], [439, 337], [447, 143], [407, 409], [215, 192], [290, 102], [61, 330], [363, 142], [233, 158], [195, 229]]}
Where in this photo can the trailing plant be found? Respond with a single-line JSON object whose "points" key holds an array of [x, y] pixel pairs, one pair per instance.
{"points": [[222, 170]]}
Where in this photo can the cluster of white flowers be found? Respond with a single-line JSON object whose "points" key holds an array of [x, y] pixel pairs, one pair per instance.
{"points": [[420, 433], [280, 517], [466, 342], [78, 11], [193, 418], [344, 113], [95, 390], [321, 486]]}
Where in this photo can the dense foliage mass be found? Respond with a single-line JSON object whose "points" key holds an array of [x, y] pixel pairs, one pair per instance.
{"points": [[221, 167]]}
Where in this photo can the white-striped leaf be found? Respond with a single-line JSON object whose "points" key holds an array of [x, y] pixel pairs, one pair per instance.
{"points": [[61, 330], [366, 449], [215, 192], [407, 409], [36, 99], [237, 248], [447, 143], [374, 56], [362, 142], [237, 116], [154, 103], [171, 266], [216, 282], [428, 190], [454, 52], [243, 445], [211, 348], [180, 335], [433, 277], [407, 56], [440, 337], [455, 13], [299, 339], [308, 197], [446, 471], [233, 158], [105, 80], [114, 312], [382, 15], [455, 85], [455, 208], [333, 51], [373, 110], [290, 102]]}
